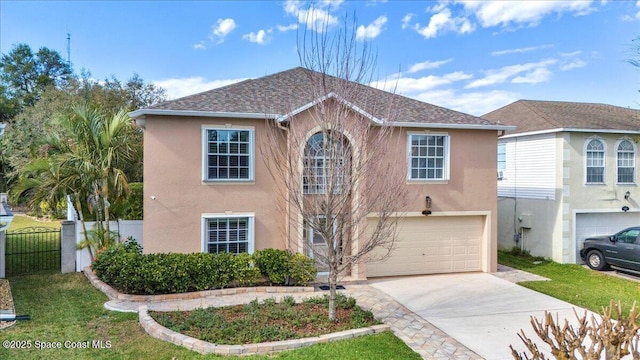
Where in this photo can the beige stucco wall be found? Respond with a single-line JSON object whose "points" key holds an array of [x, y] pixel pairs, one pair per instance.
{"points": [[173, 176], [175, 197]]}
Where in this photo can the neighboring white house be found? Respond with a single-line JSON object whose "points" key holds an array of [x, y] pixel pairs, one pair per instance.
{"points": [[568, 171]]}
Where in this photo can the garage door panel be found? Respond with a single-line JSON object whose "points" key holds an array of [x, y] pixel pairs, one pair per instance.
{"points": [[434, 245]]}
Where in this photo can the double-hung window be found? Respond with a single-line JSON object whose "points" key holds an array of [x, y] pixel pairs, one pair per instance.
{"points": [[626, 162], [595, 162], [231, 234], [228, 154], [428, 157]]}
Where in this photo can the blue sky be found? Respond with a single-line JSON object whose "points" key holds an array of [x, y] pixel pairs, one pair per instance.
{"points": [[472, 56]]}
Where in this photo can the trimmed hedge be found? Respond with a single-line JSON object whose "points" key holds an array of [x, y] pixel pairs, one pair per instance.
{"points": [[124, 267]]}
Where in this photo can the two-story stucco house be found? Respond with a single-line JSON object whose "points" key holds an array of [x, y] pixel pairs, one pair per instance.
{"points": [[208, 189], [568, 171]]}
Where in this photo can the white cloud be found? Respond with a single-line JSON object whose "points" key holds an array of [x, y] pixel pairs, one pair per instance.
{"points": [[520, 50], [261, 37], [372, 30], [571, 54], [575, 64], [283, 28], [406, 20], [529, 13], [180, 87], [427, 65], [315, 18], [200, 46], [222, 28], [535, 76], [632, 17], [520, 73], [474, 103], [443, 22], [409, 86]]}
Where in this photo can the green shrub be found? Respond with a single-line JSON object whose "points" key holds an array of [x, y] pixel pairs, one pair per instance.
{"points": [[302, 269], [124, 267], [274, 264], [282, 267], [246, 272]]}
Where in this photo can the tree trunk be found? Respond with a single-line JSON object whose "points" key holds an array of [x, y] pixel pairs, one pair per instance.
{"points": [[84, 226], [333, 279], [105, 203]]}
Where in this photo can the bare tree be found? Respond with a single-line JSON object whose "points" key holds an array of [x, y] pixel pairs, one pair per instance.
{"points": [[341, 193], [615, 335]]}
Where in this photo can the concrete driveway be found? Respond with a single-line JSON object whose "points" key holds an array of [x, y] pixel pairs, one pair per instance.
{"points": [[481, 311]]}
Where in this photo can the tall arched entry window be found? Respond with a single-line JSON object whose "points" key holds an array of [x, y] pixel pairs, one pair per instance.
{"points": [[327, 158]]}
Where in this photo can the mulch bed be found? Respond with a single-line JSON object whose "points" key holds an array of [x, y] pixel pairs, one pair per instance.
{"points": [[6, 302]]}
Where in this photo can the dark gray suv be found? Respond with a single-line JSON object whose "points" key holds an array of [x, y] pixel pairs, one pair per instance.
{"points": [[621, 250]]}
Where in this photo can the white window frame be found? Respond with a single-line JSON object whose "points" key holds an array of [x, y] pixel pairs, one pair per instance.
{"points": [[205, 153], [446, 157], [586, 161], [633, 160], [501, 165], [250, 231]]}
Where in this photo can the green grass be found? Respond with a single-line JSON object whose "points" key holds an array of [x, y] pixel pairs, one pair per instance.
{"points": [[65, 307], [24, 221], [574, 283]]}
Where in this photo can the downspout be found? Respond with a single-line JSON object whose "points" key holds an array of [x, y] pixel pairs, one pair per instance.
{"points": [[287, 196]]}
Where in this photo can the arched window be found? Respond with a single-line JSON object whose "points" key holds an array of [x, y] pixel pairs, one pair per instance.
{"points": [[626, 162], [595, 162], [326, 156]]}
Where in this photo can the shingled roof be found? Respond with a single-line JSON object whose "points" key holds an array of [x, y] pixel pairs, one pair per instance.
{"points": [[530, 115], [285, 92]]}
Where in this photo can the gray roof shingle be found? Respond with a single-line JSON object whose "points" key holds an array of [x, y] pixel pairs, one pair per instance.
{"points": [[283, 92], [531, 115]]}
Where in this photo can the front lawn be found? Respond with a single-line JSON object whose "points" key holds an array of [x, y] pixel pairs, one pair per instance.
{"points": [[574, 283], [24, 221], [66, 308]]}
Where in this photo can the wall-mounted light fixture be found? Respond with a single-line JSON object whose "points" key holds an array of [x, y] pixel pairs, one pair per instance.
{"points": [[427, 211], [627, 195], [625, 208]]}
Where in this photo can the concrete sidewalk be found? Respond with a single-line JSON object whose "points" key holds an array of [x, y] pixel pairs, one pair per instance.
{"points": [[481, 311]]}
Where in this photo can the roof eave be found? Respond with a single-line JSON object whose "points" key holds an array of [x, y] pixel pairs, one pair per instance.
{"points": [[164, 112], [583, 130], [497, 127]]}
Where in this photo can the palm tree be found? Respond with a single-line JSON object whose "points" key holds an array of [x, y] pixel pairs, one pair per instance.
{"points": [[85, 158]]}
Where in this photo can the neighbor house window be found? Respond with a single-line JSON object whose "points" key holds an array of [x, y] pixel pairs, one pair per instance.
{"points": [[428, 157], [228, 234], [595, 162], [626, 162], [325, 163], [502, 160], [228, 154]]}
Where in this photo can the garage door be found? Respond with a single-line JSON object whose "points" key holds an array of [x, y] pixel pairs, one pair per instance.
{"points": [[594, 224], [432, 245]]}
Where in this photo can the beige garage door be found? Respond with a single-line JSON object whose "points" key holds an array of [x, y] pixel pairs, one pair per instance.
{"points": [[432, 245]]}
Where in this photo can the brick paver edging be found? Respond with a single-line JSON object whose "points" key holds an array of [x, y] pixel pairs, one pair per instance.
{"points": [[113, 294], [160, 332]]}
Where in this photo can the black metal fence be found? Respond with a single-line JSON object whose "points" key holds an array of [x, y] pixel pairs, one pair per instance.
{"points": [[31, 250]]}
